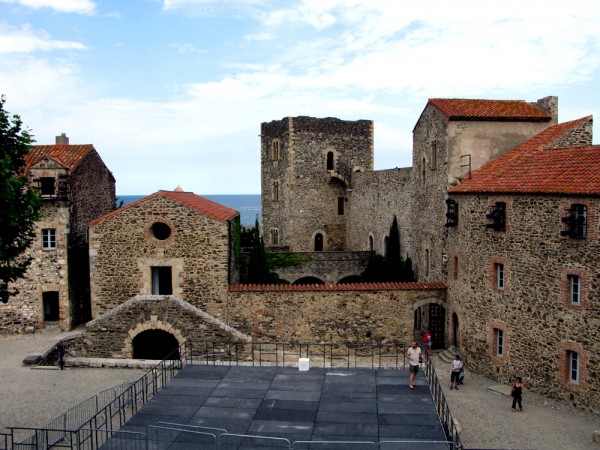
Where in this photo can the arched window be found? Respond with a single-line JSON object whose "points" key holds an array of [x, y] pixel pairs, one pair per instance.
{"points": [[318, 242], [371, 243], [329, 160]]}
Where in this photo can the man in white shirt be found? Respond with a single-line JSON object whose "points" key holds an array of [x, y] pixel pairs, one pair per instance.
{"points": [[413, 354]]}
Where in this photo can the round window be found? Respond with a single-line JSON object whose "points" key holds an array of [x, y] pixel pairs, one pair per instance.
{"points": [[161, 231]]}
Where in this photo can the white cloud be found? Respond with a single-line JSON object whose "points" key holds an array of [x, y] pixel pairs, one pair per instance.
{"points": [[64, 6], [186, 48], [26, 40]]}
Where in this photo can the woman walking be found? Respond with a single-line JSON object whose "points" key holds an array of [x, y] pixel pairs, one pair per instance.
{"points": [[516, 392]]}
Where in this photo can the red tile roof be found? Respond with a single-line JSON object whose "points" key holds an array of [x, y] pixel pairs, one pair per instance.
{"points": [[189, 199], [533, 167], [336, 287], [497, 110], [67, 155]]}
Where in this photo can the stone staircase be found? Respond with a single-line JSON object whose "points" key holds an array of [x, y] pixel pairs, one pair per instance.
{"points": [[447, 355]]}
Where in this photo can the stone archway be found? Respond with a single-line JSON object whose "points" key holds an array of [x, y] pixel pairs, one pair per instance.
{"points": [[152, 333], [155, 344], [432, 316]]}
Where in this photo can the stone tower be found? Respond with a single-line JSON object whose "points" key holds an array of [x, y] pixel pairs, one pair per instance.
{"points": [[306, 175]]}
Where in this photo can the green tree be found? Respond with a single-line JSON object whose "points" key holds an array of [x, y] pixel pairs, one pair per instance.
{"points": [[20, 204], [393, 257], [258, 266]]}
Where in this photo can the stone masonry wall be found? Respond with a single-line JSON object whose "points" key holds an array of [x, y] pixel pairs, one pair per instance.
{"points": [[92, 195], [372, 208], [48, 272], [539, 323], [330, 267], [123, 250], [111, 335], [329, 314]]}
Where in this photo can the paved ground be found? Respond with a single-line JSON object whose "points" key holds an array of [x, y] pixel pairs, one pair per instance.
{"points": [[483, 411], [358, 405], [31, 397]]}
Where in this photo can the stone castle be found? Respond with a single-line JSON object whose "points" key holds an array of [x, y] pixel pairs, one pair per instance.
{"points": [[499, 214]]}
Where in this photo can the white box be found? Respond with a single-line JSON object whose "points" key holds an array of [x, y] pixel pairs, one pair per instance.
{"points": [[303, 364]]}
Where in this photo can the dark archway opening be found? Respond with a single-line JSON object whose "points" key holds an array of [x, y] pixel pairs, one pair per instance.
{"points": [[329, 160], [309, 280], [351, 279], [155, 344]]}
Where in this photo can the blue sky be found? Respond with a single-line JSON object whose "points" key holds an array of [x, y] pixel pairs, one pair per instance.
{"points": [[173, 92]]}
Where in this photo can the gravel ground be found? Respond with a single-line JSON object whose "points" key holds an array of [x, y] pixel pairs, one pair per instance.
{"points": [[482, 409], [30, 397]]}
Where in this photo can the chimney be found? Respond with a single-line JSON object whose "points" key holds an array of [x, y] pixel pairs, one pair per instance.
{"points": [[550, 105], [63, 139]]}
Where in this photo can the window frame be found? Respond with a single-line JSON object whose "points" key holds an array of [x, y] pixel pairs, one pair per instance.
{"points": [[47, 186], [573, 367], [274, 237], [575, 292], [159, 278], [500, 276], [341, 207], [48, 239], [499, 343]]}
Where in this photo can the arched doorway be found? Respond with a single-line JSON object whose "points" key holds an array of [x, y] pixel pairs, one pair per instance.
{"points": [[155, 344], [329, 160], [318, 242], [455, 330]]}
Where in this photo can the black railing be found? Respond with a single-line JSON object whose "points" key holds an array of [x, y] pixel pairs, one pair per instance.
{"points": [[439, 399]]}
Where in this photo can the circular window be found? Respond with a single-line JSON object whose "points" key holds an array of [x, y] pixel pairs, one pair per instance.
{"points": [[161, 231]]}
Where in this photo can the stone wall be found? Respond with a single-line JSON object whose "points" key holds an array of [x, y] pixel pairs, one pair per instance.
{"points": [[111, 335], [342, 313], [308, 199], [329, 267], [123, 250], [539, 323], [48, 272], [92, 188], [372, 208]]}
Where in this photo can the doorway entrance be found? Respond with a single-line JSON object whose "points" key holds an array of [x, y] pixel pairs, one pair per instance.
{"points": [[50, 305], [155, 344]]}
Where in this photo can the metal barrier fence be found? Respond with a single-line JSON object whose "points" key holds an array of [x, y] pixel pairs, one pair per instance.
{"points": [[95, 422], [328, 355], [439, 399]]}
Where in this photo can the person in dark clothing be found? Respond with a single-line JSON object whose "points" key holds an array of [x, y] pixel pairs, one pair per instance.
{"points": [[516, 392]]}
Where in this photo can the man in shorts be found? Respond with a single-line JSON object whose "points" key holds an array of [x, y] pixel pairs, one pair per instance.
{"points": [[413, 355]]}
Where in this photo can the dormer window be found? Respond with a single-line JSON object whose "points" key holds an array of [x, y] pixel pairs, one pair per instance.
{"points": [[47, 186], [497, 217], [451, 213], [575, 222]]}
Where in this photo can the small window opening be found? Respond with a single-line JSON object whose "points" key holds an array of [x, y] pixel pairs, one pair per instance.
{"points": [[575, 222], [341, 201], [161, 231], [451, 213], [573, 359], [318, 242], [499, 341], [274, 237], [162, 281], [48, 239], [499, 276], [497, 217], [329, 160], [275, 190], [47, 186], [575, 290]]}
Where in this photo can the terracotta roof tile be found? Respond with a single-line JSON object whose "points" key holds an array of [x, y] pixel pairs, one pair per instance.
{"points": [[336, 287], [533, 167], [67, 155], [189, 199], [475, 109]]}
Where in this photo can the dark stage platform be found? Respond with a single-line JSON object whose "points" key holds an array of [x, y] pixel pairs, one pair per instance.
{"points": [[315, 405]]}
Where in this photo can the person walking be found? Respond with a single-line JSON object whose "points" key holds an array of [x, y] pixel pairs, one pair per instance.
{"points": [[413, 354], [517, 391], [455, 370]]}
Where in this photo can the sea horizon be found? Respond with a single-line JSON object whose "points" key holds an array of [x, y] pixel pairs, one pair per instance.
{"points": [[248, 205]]}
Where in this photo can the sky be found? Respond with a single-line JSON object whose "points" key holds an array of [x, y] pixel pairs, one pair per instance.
{"points": [[173, 92]]}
